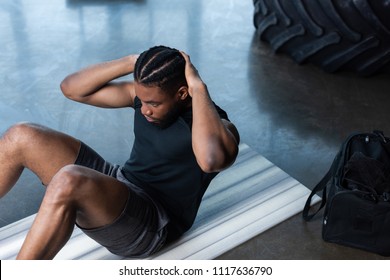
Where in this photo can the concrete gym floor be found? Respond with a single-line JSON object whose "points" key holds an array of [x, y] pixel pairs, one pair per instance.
{"points": [[296, 116]]}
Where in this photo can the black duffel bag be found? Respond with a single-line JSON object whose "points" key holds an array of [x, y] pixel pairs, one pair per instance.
{"points": [[356, 195]]}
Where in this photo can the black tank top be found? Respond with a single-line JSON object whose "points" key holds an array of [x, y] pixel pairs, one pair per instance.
{"points": [[163, 163]]}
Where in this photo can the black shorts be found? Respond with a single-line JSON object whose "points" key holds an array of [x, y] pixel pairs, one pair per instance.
{"points": [[140, 230]]}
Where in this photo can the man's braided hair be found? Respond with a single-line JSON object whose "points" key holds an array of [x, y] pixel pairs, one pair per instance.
{"points": [[162, 67]]}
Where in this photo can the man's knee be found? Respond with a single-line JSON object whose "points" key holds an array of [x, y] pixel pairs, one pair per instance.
{"points": [[23, 132], [66, 187]]}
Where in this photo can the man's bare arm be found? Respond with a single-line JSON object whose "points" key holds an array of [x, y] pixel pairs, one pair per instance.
{"points": [[95, 84], [214, 140]]}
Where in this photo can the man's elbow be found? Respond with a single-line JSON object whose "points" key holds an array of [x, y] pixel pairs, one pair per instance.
{"points": [[209, 166], [216, 163], [66, 88]]}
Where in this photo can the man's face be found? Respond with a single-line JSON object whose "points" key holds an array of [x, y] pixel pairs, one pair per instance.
{"points": [[158, 107]]}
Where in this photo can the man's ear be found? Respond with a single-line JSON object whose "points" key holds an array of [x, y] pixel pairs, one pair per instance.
{"points": [[183, 92]]}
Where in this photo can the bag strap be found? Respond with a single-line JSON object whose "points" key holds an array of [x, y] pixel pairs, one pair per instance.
{"points": [[321, 186]]}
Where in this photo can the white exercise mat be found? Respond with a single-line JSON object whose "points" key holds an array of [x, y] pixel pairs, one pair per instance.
{"points": [[243, 201]]}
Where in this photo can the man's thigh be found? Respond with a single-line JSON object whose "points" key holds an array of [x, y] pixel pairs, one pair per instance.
{"points": [[41, 149], [98, 198], [102, 196], [114, 213], [111, 210]]}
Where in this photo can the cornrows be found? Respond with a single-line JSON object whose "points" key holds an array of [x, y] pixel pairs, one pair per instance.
{"points": [[161, 66]]}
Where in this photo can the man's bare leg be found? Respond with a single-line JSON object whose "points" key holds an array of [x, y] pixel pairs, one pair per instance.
{"points": [[75, 194], [40, 149], [46, 152]]}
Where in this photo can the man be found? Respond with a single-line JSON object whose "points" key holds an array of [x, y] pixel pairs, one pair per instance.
{"points": [[182, 140]]}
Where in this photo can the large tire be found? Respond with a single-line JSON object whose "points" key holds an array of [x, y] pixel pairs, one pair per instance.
{"points": [[336, 35]]}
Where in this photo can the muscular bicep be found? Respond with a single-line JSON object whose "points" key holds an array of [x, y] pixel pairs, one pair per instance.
{"points": [[111, 95]]}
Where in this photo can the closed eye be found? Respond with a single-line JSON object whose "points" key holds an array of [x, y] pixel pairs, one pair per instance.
{"points": [[153, 104]]}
